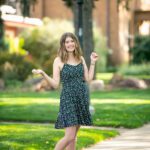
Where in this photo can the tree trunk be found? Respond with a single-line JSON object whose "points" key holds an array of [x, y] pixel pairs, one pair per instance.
{"points": [[88, 45], [2, 45]]}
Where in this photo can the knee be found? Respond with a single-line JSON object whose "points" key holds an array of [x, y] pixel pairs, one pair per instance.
{"points": [[71, 138]]}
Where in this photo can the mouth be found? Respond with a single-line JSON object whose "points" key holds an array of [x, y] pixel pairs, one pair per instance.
{"points": [[72, 47]]}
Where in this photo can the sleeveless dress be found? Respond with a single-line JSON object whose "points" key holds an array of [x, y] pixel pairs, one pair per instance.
{"points": [[74, 98]]}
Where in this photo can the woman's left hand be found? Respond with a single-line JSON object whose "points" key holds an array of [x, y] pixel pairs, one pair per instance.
{"points": [[94, 57]]}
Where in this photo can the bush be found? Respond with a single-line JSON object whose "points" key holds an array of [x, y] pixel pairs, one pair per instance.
{"points": [[42, 42], [14, 67], [10, 84], [16, 45], [141, 49], [100, 47], [142, 69]]}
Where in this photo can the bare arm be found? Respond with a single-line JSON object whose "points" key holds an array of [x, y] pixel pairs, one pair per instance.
{"points": [[89, 74], [91, 71], [53, 81]]}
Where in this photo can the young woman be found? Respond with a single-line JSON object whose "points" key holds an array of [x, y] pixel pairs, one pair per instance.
{"points": [[70, 67]]}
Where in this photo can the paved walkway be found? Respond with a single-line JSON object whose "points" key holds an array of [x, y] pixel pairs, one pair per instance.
{"points": [[132, 139]]}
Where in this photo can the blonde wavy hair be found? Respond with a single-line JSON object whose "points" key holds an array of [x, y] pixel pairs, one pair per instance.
{"points": [[62, 52]]}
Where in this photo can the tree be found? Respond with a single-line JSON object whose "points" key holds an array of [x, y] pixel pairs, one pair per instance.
{"points": [[2, 45], [88, 5], [87, 27]]}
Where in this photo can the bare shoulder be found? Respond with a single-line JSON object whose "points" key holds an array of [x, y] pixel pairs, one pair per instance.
{"points": [[58, 62], [57, 59], [82, 59]]}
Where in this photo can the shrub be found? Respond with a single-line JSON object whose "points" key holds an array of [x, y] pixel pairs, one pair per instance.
{"points": [[101, 48], [142, 69], [16, 45], [42, 42], [141, 49], [14, 67]]}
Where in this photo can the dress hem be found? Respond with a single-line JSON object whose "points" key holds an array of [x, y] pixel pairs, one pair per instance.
{"points": [[72, 126]]}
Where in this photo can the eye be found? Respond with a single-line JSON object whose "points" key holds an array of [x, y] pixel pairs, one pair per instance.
{"points": [[66, 41]]}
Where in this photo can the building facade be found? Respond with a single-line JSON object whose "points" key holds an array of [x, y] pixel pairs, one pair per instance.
{"points": [[119, 21]]}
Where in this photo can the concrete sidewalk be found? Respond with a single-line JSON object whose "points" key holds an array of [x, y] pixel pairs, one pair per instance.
{"points": [[132, 139]]}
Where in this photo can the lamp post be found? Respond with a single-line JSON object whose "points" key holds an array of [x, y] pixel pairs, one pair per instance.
{"points": [[80, 22]]}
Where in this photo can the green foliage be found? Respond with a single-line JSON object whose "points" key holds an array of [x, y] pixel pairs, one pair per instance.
{"points": [[142, 69], [101, 48], [141, 49], [3, 43], [10, 84], [14, 67], [42, 42], [16, 46]]}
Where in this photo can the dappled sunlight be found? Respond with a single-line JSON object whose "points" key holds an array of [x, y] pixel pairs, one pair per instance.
{"points": [[27, 101], [36, 101], [30, 136], [120, 101], [25, 135], [104, 76], [12, 128], [92, 136]]}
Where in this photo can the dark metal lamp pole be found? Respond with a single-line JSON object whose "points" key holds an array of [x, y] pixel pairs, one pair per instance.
{"points": [[80, 22]]}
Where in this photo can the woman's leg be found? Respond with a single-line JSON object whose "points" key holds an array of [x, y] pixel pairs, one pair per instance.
{"points": [[72, 145], [70, 134]]}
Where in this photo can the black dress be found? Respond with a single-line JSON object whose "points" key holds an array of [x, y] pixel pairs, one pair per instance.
{"points": [[74, 98]]}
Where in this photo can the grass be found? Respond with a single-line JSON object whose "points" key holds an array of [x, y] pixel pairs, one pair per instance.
{"points": [[139, 76], [54, 95], [44, 137], [127, 107], [118, 108], [104, 76], [123, 94]]}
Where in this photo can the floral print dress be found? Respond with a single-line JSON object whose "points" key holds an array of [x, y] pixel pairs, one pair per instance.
{"points": [[74, 98]]}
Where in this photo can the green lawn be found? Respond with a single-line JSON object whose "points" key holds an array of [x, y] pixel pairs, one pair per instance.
{"points": [[121, 107], [106, 77], [44, 137], [127, 107]]}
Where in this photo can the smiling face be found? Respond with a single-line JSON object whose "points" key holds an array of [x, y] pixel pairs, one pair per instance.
{"points": [[69, 44]]}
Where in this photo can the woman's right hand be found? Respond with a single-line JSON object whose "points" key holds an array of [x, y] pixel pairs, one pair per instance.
{"points": [[37, 71]]}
